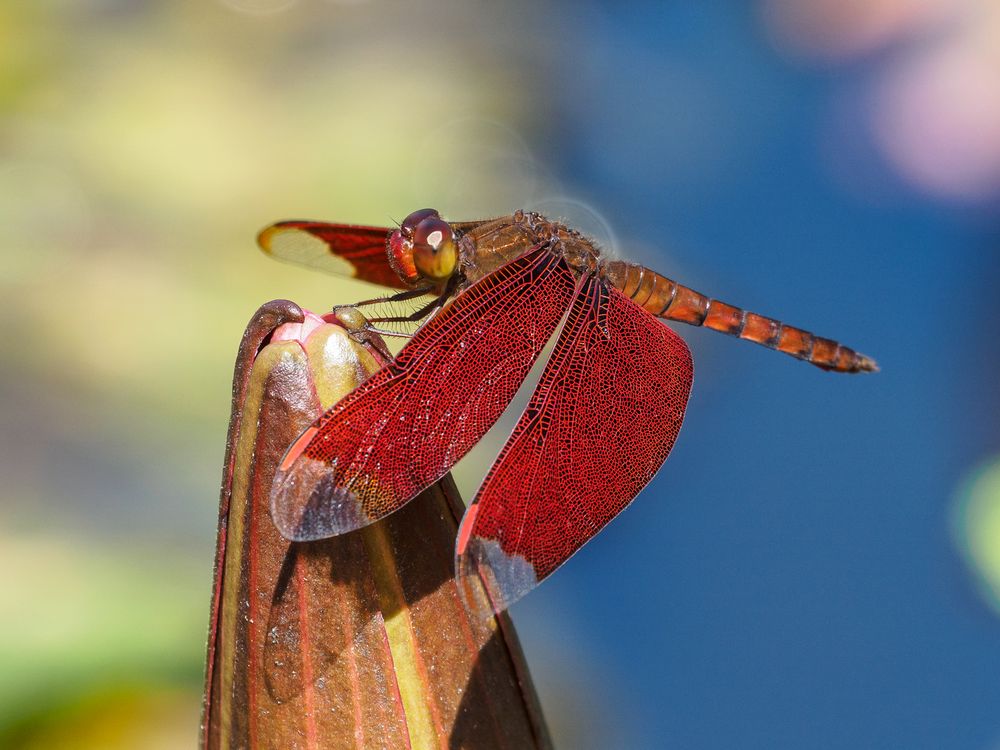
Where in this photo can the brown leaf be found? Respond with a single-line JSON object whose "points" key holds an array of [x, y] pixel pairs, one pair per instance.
{"points": [[356, 641]]}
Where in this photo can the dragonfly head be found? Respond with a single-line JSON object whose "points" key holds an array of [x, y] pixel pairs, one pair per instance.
{"points": [[424, 247]]}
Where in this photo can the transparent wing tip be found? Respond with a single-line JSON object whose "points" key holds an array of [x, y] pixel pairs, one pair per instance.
{"points": [[489, 579], [307, 504]]}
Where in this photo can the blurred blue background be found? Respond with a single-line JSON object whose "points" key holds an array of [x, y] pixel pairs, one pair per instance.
{"points": [[818, 563]]}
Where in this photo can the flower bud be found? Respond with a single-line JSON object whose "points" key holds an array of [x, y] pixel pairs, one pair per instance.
{"points": [[355, 641]]}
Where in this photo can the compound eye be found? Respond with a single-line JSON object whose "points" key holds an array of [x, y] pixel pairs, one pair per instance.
{"points": [[410, 222], [435, 252]]}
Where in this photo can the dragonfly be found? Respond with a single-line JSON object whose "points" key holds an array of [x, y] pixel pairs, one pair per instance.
{"points": [[600, 423]]}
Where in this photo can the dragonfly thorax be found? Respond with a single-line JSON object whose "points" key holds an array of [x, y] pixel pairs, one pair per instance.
{"points": [[492, 244]]}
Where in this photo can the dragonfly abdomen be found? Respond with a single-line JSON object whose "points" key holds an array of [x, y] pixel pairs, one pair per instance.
{"points": [[669, 300]]}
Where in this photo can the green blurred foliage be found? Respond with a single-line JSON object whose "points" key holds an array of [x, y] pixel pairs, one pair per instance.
{"points": [[977, 528], [88, 632]]}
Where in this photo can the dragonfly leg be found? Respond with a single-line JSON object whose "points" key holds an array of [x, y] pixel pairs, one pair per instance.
{"points": [[372, 336], [387, 332], [412, 317], [359, 329], [403, 296], [425, 311]]}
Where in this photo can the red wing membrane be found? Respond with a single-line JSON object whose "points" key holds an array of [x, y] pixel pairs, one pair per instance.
{"points": [[598, 427], [406, 426], [342, 249]]}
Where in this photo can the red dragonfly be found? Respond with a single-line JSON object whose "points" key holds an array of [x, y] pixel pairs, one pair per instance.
{"points": [[599, 425]]}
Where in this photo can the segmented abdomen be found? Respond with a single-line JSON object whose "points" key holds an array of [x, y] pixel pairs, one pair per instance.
{"points": [[671, 301]]}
